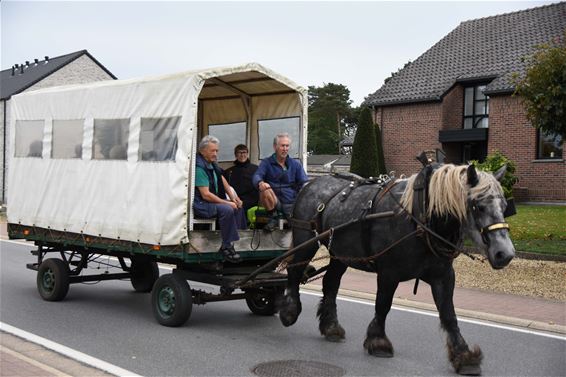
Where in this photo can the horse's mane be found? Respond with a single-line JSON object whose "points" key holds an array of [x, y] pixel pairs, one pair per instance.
{"points": [[449, 191]]}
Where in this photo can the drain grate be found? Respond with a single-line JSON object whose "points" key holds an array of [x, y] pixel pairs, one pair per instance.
{"points": [[297, 368]]}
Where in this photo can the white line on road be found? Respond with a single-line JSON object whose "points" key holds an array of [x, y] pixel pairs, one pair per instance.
{"points": [[460, 319], [66, 351]]}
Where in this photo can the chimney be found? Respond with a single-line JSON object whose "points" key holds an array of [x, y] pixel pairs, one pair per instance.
{"points": [[36, 61], [27, 63], [46, 59], [21, 69], [17, 66], [13, 70]]}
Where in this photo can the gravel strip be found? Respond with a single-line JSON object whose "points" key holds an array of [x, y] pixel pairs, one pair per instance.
{"points": [[524, 277]]}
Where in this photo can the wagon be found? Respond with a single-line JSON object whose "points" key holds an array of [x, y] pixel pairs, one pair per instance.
{"points": [[102, 174]]}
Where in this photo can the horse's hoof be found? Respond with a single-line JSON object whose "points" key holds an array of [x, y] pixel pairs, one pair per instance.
{"points": [[289, 311], [382, 354], [334, 338], [379, 347], [287, 319], [470, 370], [334, 333]]}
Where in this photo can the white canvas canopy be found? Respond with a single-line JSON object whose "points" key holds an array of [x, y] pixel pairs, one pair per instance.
{"points": [[110, 182]]}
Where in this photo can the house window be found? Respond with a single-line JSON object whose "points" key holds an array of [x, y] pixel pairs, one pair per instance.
{"points": [[29, 138], [111, 139], [269, 128], [230, 135], [476, 107], [158, 139], [549, 145], [67, 138]]}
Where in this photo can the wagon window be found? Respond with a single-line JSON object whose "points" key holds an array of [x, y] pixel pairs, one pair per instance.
{"points": [[230, 135], [268, 128], [111, 139], [29, 138], [158, 139], [67, 138]]}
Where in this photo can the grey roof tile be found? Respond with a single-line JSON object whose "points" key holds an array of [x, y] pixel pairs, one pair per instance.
{"points": [[485, 48]]}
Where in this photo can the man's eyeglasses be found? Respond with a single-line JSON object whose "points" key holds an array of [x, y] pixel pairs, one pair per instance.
{"points": [[242, 152]]}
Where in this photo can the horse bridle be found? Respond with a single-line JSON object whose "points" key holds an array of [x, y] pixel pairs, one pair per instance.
{"points": [[488, 228]]}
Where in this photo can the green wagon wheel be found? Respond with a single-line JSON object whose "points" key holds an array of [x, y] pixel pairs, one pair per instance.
{"points": [[166, 301], [53, 279], [171, 300]]}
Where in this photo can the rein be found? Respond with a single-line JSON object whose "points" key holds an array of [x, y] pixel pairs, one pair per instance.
{"points": [[448, 254]]}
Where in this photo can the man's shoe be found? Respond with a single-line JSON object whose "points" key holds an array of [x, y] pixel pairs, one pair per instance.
{"points": [[230, 254]]}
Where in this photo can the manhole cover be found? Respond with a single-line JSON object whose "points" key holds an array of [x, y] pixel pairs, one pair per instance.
{"points": [[297, 368]]}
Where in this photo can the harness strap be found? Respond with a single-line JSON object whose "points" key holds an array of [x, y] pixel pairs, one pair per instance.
{"points": [[494, 227]]}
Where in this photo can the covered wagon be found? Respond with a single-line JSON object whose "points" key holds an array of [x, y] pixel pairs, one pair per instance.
{"points": [[108, 169]]}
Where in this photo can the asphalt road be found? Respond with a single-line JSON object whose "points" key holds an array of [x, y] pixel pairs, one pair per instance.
{"points": [[111, 322]]}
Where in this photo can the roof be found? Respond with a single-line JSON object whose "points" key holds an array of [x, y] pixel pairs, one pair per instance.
{"points": [[489, 49], [35, 72], [332, 159]]}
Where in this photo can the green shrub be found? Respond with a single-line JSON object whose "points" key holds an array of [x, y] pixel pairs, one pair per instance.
{"points": [[493, 163], [364, 150]]}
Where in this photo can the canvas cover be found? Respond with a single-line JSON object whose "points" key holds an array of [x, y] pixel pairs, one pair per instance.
{"points": [[125, 193]]}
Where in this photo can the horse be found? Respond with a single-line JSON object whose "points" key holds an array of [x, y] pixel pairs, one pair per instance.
{"points": [[416, 242]]}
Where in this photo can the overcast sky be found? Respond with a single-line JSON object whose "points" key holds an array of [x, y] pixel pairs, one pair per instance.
{"points": [[356, 44]]}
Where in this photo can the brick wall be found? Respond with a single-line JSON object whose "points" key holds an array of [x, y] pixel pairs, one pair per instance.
{"points": [[80, 71], [511, 133], [407, 131]]}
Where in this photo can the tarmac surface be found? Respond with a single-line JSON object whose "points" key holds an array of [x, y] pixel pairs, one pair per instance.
{"points": [[29, 357]]}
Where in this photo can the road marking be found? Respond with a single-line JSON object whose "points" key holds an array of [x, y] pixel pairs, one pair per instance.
{"points": [[66, 351], [460, 319], [23, 243]]}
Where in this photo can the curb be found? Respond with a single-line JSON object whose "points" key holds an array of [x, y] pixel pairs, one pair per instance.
{"points": [[465, 313]]}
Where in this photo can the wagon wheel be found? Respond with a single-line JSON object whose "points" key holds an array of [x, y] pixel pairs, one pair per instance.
{"points": [[263, 301], [53, 279], [144, 274], [171, 300]]}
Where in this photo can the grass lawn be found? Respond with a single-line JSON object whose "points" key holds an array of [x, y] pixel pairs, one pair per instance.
{"points": [[539, 229]]}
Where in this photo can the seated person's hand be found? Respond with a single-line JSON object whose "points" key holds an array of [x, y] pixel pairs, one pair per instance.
{"points": [[238, 202], [232, 204], [264, 186]]}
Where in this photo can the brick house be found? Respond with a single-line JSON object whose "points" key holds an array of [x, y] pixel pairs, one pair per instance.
{"points": [[74, 68], [458, 96]]}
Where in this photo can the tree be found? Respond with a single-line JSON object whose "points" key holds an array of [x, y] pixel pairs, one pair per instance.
{"points": [[379, 146], [329, 106], [543, 88], [364, 151]]}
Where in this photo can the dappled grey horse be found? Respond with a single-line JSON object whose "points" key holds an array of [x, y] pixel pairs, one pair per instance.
{"points": [[420, 241]]}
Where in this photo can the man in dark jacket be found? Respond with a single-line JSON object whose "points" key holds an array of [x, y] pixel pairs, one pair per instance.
{"points": [[279, 179], [240, 177], [210, 201]]}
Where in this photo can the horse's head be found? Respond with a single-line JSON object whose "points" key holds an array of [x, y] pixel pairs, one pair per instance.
{"points": [[486, 224]]}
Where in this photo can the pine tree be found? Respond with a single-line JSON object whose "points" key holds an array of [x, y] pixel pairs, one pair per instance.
{"points": [[380, 157], [364, 150]]}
